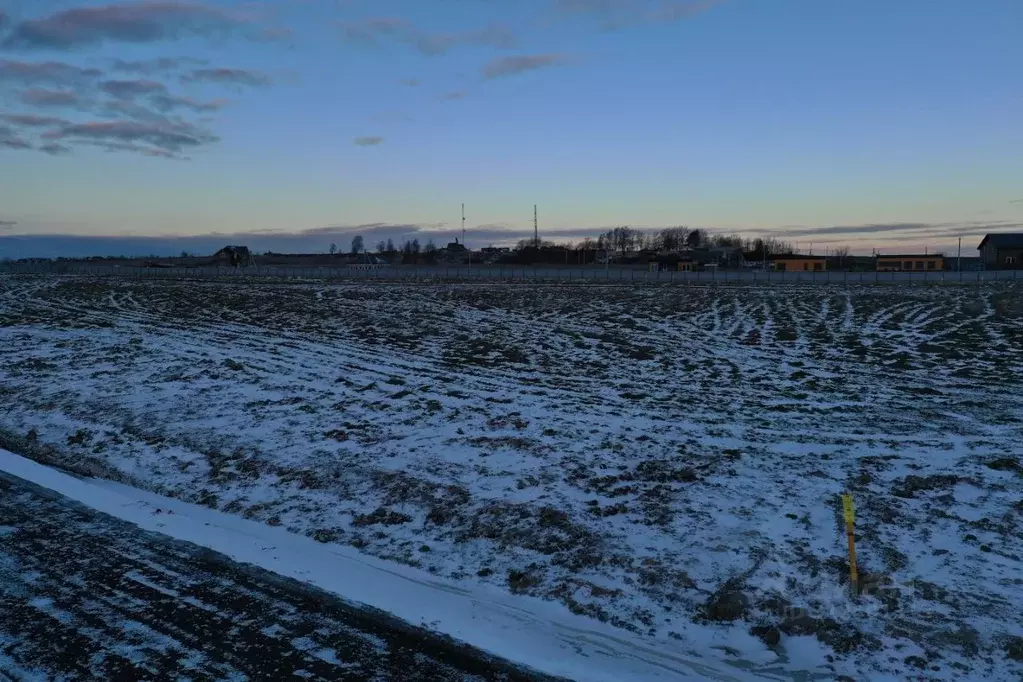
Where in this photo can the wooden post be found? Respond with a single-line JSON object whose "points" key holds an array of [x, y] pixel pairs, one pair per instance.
{"points": [[850, 522]]}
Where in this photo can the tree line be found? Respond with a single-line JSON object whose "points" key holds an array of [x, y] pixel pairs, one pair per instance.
{"points": [[616, 240]]}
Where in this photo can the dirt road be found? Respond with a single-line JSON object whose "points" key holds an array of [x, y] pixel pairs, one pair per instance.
{"points": [[87, 596]]}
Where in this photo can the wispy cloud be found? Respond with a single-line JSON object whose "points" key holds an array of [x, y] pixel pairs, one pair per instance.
{"points": [[503, 67], [156, 95], [7, 224], [137, 113], [11, 140], [902, 230], [224, 76], [370, 31], [130, 89], [617, 14], [373, 31], [168, 103], [129, 22], [33, 120], [410, 82], [368, 141], [45, 73], [454, 95], [160, 65], [54, 149], [163, 138], [4, 19], [41, 97], [495, 35]]}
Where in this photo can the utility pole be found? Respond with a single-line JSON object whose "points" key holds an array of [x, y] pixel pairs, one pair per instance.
{"points": [[536, 230], [959, 256], [467, 251]]}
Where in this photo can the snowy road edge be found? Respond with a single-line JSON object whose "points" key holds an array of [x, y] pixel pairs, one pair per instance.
{"points": [[525, 630]]}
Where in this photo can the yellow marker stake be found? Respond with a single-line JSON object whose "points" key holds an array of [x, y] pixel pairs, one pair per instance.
{"points": [[850, 521]]}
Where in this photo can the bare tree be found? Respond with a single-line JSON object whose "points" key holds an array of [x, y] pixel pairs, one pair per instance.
{"points": [[726, 240], [357, 244], [841, 253], [673, 238], [381, 247], [390, 246], [696, 238], [333, 248], [620, 239]]}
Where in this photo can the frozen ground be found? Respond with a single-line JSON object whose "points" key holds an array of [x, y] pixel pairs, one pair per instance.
{"points": [[87, 596], [665, 459]]}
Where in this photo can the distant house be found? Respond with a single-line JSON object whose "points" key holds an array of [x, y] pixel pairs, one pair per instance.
{"points": [[964, 263], [455, 247], [795, 262], [454, 252], [694, 260], [726, 256], [910, 262], [1002, 251], [235, 256]]}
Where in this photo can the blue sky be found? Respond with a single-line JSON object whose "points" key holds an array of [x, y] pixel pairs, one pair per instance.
{"points": [[155, 126]]}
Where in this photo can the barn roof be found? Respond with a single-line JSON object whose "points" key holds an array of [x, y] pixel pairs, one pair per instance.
{"points": [[1003, 239]]}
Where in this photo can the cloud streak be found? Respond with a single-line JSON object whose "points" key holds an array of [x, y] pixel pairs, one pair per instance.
{"points": [[135, 115], [11, 140], [33, 120], [497, 36], [45, 73], [165, 139], [130, 89], [368, 141], [373, 31], [222, 76], [895, 231], [41, 97], [504, 67], [613, 15], [159, 65], [127, 22]]}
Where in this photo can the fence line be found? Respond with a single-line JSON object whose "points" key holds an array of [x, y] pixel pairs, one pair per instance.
{"points": [[514, 273]]}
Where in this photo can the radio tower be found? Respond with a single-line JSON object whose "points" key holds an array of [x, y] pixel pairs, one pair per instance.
{"points": [[536, 229], [467, 251]]}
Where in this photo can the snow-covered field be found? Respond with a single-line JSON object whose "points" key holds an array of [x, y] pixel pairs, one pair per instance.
{"points": [[665, 459]]}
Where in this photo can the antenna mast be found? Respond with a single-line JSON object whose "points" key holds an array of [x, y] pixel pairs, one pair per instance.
{"points": [[536, 229], [463, 224]]}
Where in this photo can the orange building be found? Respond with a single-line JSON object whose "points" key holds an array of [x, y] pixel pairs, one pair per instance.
{"points": [[799, 263], [913, 262]]}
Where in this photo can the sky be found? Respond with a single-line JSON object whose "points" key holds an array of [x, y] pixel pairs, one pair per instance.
{"points": [[288, 125]]}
